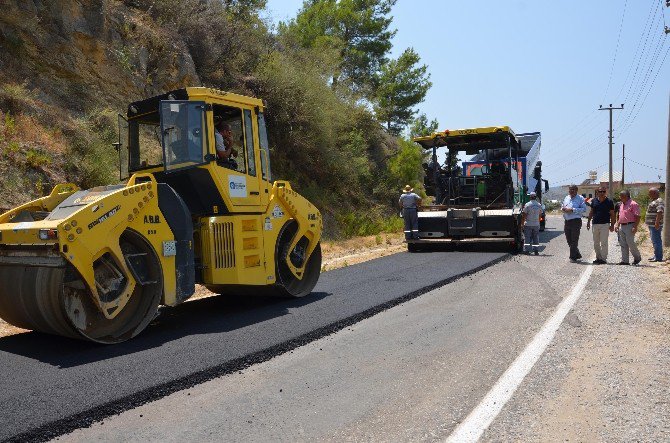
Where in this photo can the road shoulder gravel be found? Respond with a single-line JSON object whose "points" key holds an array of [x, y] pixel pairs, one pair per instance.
{"points": [[606, 376]]}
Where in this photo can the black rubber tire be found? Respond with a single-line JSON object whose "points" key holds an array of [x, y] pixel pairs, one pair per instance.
{"points": [[413, 247], [517, 246], [52, 300]]}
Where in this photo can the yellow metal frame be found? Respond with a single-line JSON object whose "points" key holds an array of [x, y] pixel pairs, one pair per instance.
{"points": [[254, 224], [271, 195], [59, 193], [440, 138], [96, 228]]}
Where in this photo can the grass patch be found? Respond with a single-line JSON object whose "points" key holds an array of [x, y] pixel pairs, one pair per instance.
{"points": [[35, 158], [11, 148], [354, 224]]}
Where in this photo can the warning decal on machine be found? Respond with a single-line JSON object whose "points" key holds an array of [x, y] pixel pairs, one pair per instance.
{"points": [[277, 212]]}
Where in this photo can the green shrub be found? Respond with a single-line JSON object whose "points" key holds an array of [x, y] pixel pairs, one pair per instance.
{"points": [[354, 224], [15, 98], [12, 148], [10, 125], [35, 158]]}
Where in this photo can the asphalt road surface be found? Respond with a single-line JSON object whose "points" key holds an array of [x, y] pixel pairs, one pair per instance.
{"points": [[412, 372], [52, 385], [426, 368]]}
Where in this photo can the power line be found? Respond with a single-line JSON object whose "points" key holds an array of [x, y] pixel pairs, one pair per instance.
{"points": [[565, 180], [567, 135], [647, 70], [646, 166], [616, 51], [644, 67], [582, 147], [651, 87], [649, 43], [637, 49]]}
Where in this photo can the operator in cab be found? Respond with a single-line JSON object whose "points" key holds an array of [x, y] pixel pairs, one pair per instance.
{"points": [[225, 152]]}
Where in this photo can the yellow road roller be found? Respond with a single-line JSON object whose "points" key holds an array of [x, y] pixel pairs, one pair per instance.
{"points": [[194, 207]]}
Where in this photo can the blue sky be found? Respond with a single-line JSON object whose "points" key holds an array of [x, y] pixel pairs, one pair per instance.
{"points": [[540, 65]]}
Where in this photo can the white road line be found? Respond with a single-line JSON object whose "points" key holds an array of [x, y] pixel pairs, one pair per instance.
{"points": [[472, 428]]}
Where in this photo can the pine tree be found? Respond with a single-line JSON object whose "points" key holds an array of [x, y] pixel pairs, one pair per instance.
{"points": [[358, 29], [401, 85]]}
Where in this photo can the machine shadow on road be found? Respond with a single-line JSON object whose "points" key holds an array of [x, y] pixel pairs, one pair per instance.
{"points": [[545, 237], [203, 316]]}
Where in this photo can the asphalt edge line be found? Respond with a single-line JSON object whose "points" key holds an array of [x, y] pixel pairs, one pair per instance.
{"points": [[85, 419], [472, 428]]}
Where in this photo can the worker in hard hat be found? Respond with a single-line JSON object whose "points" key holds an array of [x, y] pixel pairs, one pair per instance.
{"points": [[409, 203]]}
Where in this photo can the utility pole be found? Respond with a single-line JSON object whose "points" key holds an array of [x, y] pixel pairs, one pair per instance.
{"points": [[666, 214], [610, 109], [623, 167]]}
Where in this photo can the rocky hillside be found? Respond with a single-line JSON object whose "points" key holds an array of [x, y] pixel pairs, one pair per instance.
{"points": [[69, 66], [80, 54]]}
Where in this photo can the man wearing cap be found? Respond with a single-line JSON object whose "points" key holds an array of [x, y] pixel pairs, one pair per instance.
{"points": [[626, 225], [602, 214], [530, 220], [409, 205], [654, 220], [573, 207]]}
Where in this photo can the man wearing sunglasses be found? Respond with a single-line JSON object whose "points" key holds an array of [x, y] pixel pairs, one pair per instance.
{"points": [[602, 215]]}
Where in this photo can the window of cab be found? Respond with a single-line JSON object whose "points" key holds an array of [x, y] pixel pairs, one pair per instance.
{"points": [[233, 139]]}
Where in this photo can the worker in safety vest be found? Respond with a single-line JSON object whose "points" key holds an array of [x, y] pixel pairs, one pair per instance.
{"points": [[409, 204]]}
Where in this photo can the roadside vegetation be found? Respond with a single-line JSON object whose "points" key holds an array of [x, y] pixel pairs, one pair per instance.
{"points": [[341, 111]]}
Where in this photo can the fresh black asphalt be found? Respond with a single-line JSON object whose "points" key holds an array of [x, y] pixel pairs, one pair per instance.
{"points": [[52, 385]]}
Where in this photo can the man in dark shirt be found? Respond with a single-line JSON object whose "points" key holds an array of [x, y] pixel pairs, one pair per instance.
{"points": [[602, 214]]}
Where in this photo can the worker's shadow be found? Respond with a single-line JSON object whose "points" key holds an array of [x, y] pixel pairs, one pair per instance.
{"points": [[218, 314]]}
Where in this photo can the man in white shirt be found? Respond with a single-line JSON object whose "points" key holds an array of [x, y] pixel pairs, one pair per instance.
{"points": [[573, 207]]}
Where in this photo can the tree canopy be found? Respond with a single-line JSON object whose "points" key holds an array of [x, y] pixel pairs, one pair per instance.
{"points": [[358, 29], [401, 85], [421, 127]]}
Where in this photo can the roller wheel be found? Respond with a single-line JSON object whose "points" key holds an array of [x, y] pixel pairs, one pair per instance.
{"points": [[287, 284], [56, 301]]}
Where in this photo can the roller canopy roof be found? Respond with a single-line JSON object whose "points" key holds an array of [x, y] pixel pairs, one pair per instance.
{"points": [[209, 95], [470, 140]]}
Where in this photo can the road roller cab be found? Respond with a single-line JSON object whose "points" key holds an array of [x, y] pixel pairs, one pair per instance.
{"points": [[97, 263]]}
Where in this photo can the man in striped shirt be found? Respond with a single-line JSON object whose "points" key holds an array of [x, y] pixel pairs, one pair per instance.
{"points": [[654, 220]]}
